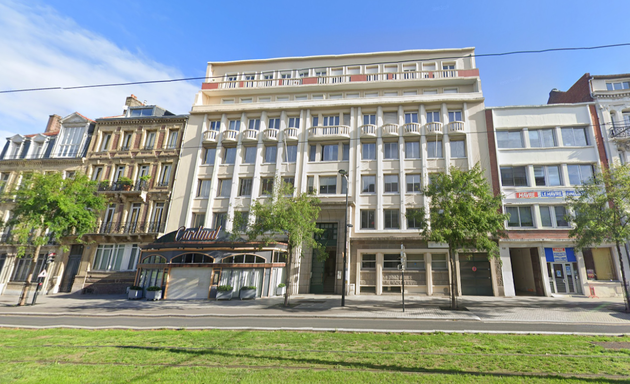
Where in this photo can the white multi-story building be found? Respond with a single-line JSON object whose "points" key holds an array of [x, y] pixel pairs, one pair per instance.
{"points": [[542, 153], [389, 119]]}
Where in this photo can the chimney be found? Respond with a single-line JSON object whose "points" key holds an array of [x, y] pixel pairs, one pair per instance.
{"points": [[54, 123], [132, 101]]}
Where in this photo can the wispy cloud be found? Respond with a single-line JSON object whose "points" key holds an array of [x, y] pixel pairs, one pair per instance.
{"points": [[41, 48]]}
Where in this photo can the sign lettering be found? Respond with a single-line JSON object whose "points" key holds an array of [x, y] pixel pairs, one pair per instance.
{"points": [[526, 195], [197, 234]]}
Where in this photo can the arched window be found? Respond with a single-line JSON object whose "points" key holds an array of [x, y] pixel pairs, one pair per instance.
{"points": [[192, 258], [154, 259], [243, 259]]}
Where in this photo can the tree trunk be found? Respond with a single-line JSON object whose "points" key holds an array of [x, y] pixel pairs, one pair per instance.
{"points": [[29, 276], [623, 278], [453, 279], [287, 279]]}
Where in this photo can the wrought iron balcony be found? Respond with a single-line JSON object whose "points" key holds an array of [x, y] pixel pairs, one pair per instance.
{"points": [[140, 185], [132, 228], [620, 132]]}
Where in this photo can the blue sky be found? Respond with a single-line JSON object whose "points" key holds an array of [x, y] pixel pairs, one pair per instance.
{"points": [[73, 42]]}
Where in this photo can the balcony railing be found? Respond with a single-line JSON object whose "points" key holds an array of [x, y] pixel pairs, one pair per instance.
{"points": [[210, 136], [456, 127], [621, 132], [250, 134], [412, 129], [390, 130], [338, 79], [140, 185], [368, 130], [433, 128], [290, 133], [130, 228], [230, 135], [333, 131], [271, 134]]}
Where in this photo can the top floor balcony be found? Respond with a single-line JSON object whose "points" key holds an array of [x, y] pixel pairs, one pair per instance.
{"points": [[210, 137], [620, 132], [456, 127], [329, 132], [257, 80]]}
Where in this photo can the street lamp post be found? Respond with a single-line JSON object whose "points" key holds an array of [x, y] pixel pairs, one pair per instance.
{"points": [[344, 173]]}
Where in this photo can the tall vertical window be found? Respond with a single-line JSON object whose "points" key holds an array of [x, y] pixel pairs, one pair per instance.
{"points": [[165, 176], [368, 151], [513, 176], [294, 122], [291, 153], [220, 218], [4, 180], [390, 150], [271, 153], [368, 184], [539, 138], [574, 137], [345, 156], [69, 141], [579, 174], [391, 183], [204, 188], [391, 218], [520, 216], [157, 217], [454, 116], [245, 187], [254, 124], [312, 153], [367, 219], [412, 150], [434, 149], [149, 142], [105, 142], [310, 184], [413, 183], [315, 120], [458, 148], [198, 220], [172, 139], [274, 124], [133, 257], [414, 219], [126, 144], [96, 173], [229, 155], [250, 155], [330, 152], [210, 155], [267, 186], [225, 187], [120, 171]]}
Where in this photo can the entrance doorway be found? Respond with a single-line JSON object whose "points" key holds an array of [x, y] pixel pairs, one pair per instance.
{"points": [[323, 271], [475, 274], [74, 259], [563, 277], [526, 272]]}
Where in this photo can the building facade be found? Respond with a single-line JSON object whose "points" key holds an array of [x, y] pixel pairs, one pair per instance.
{"points": [[542, 153], [133, 157], [60, 148], [390, 120]]}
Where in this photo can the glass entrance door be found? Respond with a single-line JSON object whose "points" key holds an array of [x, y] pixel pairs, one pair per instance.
{"points": [[564, 278]]}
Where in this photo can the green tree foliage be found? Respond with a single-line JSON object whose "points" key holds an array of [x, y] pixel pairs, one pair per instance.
{"points": [[48, 203], [602, 208], [286, 213], [464, 213]]}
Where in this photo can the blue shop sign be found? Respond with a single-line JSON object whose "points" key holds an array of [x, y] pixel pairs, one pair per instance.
{"points": [[560, 255], [551, 194]]}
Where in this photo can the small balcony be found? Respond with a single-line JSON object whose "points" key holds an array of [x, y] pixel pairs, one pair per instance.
{"points": [[139, 186], [290, 134], [329, 132], [132, 228], [210, 136], [368, 130], [250, 135], [230, 135], [620, 132], [456, 127], [412, 129], [271, 134], [433, 128], [390, 130]]}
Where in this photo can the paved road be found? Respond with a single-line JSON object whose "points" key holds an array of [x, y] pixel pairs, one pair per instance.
{"points": [[275, 323]]}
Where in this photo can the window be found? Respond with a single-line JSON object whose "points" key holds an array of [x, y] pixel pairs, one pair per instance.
{"points": [[411, 118], [330, 121], [367, 219], [344, 185], [330, 152], [438, 262], [368, 183], [412, 150], [509, 139], [415, 261], [271, 153], [294, 122], [390, 93], [579, 174], [345, 155], [241, 220], [165, 176], [599, 264], [133, 257], [392, 218], [229, 155], [172, 139], [312, 152], [215, 125], [547, 175], [22, 265], [618, 86], [369, 119], [539, 138], [210, 155], [269, 77], [303, 73], [291, 153], [327, 185], [574, 137], [410, 93], [250, 155], [310, 181], [458, 148], [454, 116], [391, 183], [274, 124], [390, 150], [413, 219], [413, 183], [254, 124], [96, 173], [430, 92], [69, 141], [267, 186], [149, 143], [290, 181], [225, 187], [433, 116], [368, 261], [391, 261], [245, 187], [105, 142], [126, 144], [108, 257], [220, 218], [434, 149], [204, 188], [513, 177], [520, 216], [234, 125], [198, 220], [368, 151], [120, 172], [4, 179], [553, 216], [449, 90]]}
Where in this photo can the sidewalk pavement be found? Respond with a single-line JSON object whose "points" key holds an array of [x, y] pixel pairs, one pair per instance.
{"points": [[563, 309]]}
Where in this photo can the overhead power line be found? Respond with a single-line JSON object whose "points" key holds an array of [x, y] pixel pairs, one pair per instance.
{"points": [[374, 63]]}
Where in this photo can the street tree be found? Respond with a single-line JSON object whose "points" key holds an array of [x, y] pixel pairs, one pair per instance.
{"points": [[290, 214], [463, 213], [601, 213], [48, 205]]}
